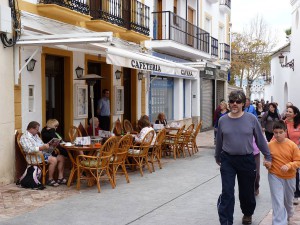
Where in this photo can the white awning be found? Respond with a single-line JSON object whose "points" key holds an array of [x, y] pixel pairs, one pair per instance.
{"points": [[141, 61]]}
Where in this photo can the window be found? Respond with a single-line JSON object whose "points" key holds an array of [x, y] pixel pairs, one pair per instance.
{"points": [[207, 25], [161, 97]]}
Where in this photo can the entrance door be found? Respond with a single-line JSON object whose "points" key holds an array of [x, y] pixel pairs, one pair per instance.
{"points": [[190, 27], [207, 103], [94, 68], [55, 90], [127, 94]]}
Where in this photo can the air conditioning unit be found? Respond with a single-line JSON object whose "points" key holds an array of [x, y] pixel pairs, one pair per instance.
{"points": [[5, 19]]}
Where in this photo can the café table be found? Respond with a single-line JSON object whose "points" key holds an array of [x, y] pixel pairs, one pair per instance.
{"points": [[73, 151]]}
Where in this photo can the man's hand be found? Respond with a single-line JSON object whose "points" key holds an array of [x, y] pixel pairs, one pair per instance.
{"points": [[284, 168], [267, 164], [43, 147], [219, 163]]}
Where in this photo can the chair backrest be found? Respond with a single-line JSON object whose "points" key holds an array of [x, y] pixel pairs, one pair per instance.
{"points": [[197, 130], [190, 128], [148, 138], [160, 137], [121, 149], [128, 126], [83, 131], [125, 142], [73, 133], [20, 146], [118, 128], [109, 145]]}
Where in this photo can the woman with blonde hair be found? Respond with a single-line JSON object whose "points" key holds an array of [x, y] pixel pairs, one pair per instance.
{"points": [[48, 133]]}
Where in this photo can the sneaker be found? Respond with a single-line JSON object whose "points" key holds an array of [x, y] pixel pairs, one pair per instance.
{"points": [[295, 201], [247, 220]]}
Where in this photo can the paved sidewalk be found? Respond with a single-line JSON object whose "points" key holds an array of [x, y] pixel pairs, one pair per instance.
{"points": [[15, 201]]}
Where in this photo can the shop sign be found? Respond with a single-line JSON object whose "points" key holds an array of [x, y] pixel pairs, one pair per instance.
{"points": [[187, 73], [145, 66]]}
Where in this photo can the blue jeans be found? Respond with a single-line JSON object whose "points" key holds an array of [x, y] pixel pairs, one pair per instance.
{"points": [[244, 167]]}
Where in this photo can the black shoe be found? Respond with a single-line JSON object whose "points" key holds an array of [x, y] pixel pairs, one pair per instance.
{"points": [[247, 220]]}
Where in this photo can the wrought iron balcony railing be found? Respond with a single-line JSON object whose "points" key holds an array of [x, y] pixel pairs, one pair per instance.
{"points": [[76, 5], [226, 2], [132, 15], [214, 47], [224, 51], [169, 26]]}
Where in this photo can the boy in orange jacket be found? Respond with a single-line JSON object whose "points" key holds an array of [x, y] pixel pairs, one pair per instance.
{"points": [[282, 172]]}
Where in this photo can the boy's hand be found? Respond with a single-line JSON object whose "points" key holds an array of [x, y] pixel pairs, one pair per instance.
{"points": [[284, 168], [267, 164]]}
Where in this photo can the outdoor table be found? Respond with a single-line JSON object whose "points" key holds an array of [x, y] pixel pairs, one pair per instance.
{"points": [[73, 151]]}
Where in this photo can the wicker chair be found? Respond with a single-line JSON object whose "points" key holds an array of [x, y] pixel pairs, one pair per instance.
{"points": [[97, 165], [119, 157], [34, 159], [128, 127], [155, 153], [184, 140], [138, 154], [73, 133], [192, 142], [171, 143]]}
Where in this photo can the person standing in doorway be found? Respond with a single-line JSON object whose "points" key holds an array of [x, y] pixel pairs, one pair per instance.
{"points": [[103, 110], [234, 154]]}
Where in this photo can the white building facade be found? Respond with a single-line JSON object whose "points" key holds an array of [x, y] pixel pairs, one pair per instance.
{"points": [[284, 86]]}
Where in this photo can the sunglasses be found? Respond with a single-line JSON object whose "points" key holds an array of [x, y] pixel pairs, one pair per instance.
{"points": [[235, 101]]}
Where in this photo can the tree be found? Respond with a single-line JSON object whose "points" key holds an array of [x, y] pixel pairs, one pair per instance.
{"points": [[250, 57]]}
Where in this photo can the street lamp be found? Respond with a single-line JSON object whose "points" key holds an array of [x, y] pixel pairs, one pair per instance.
{"points": [[288, 64], [79, 72], [31, 64], [118, 74], [140, 75], [91, 80]]}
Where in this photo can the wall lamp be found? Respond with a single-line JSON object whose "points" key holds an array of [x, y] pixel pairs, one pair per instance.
{"points": [[140, 75], [79, 72], [286, 64], [30, 66], [118, 74]]}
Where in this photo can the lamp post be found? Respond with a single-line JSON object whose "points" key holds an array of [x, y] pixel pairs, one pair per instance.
{"points": [[288, 64], [118, 74], [91, 80], [140, 75], [79, 72]]}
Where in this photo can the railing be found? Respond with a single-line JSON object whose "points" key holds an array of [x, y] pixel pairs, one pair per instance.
{"points": [[226, 2], [169, 26], [214, 47], [224, 51], [132, 15], [76, 5]]}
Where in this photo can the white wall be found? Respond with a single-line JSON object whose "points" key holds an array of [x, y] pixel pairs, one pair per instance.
{"points": [[178, 99], [7, 119]]}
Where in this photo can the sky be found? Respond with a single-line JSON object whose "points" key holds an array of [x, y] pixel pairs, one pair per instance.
{"points": [[276, 13]]}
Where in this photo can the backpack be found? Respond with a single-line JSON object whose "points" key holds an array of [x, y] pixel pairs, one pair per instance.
{"points": [[30, 178]]}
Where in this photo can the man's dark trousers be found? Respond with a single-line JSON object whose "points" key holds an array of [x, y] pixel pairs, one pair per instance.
{"points": [[104, 122], [242, 166]]}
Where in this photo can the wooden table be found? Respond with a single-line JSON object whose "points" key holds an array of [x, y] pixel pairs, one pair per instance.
{"points": [[73, 151]]}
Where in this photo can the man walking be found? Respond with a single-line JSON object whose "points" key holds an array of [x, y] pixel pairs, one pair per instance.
{"points": [[249, 107], [234, 154], [103, 110]]}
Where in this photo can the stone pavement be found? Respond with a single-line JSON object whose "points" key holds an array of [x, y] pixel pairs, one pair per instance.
{"points": [[15, 201]]}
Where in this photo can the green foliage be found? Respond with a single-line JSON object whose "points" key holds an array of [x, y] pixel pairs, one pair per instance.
{"points": [[288, 31]]}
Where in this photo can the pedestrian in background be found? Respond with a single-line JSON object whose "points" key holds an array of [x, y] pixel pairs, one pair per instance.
{"points": [[249, 107], [283, 114], [293, 133], [281, 176], [268, 119], [223, 111], [103, 110], [234, 154]]}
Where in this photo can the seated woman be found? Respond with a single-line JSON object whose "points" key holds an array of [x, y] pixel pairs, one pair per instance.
{"points": [[161, 119], [145, 127], [48, 133], [96, 126]]}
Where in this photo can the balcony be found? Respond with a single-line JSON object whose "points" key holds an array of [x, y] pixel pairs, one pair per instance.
{"points": [[176, 36], [214, 51], [131, 15], [225, 6], [224, 53], [72, 11]]}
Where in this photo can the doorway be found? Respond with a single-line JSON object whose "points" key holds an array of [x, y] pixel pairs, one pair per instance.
{"points": [[55, 90], [127, 94], [94, 68], [159, 20], [190, 27]]}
